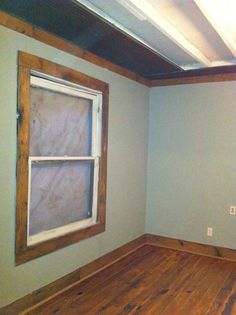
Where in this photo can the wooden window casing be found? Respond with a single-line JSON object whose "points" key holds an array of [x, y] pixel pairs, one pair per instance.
{"points": [[28, 248]]}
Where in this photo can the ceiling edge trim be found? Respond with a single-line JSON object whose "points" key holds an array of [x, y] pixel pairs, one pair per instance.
{"points": [[195, 79], [29, 30]]}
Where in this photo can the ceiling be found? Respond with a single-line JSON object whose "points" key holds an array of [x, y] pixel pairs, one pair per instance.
{"points": [[155, 38], [180, 30]]}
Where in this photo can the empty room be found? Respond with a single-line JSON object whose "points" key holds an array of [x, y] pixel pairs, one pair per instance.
{"points": [[118, 157]]}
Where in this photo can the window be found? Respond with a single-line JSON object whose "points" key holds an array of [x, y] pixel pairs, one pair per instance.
{"points": [[62, 148]]}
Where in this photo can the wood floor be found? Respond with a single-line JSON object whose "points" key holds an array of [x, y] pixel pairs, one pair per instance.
{"points": [[156, 281]]}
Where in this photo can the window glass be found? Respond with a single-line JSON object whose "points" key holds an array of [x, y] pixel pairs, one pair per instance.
{"points": [[60, 124], [61, 193]]}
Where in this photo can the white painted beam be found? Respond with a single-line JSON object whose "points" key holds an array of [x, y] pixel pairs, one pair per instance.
{"points": [[221, 15], [132, 10], [145, 8]]}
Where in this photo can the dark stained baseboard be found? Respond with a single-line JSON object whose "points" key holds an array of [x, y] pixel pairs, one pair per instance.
{"points": [[191, 247], [46, 293]]}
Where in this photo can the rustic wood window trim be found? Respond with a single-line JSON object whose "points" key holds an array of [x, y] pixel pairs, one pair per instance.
{"points": [[28, 64]]}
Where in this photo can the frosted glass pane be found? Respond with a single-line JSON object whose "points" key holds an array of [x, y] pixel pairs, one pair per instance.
{"points": [[60, 124], [61, 193]]}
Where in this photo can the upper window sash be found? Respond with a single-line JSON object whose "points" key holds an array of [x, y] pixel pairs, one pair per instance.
{"points": [[76, 90]]}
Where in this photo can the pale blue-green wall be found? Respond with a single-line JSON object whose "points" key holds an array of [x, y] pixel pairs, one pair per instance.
{"points": [[127, 153], [192, 162]]}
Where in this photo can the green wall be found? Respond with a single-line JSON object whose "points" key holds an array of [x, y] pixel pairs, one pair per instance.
{"points": [[192, 162], [127, 153]]}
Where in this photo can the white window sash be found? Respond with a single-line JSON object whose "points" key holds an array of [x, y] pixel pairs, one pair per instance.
{"points": [[53, 233], [58, 85], [72, 90]]}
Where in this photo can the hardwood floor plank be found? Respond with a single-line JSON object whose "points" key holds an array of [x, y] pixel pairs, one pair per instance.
{"points": [[154, 284], [175, 286], [116, 286], [152, 281], [209, 289], [188, 293], [225, 292], [230, 306], [95, 283], [214, 286], [139, 284]]}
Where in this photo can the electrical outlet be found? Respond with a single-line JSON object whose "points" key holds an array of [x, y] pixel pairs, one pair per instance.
{"points": [[209, 231], [232, 210]]}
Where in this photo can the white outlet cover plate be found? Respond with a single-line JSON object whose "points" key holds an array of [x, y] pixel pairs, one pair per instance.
{"points": [[232, 210], [209, 231]]}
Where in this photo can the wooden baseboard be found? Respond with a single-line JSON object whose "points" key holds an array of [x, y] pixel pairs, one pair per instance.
{"points": [[61, 285], [51, 290], [191, 247]]}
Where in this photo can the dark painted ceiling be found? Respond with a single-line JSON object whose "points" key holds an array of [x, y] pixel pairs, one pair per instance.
{"points": [[73, 22]]}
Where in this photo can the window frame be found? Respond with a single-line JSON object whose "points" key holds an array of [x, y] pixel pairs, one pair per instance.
{"points": [[30, 66]]}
